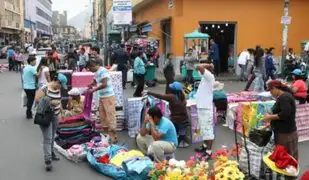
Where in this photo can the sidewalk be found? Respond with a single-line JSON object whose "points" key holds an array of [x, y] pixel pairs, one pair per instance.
{"points": [[222, 77]]}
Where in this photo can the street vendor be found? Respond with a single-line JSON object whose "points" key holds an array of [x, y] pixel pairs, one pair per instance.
{"points": [[157, 136], [282, 118], [177, 105], [299, 87]]}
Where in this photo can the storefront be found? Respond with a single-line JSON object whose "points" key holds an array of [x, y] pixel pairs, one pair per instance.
{"points": [[235, 25]]}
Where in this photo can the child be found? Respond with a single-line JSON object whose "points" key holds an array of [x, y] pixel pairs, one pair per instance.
{"points": [[75, 104], [220, 100]]}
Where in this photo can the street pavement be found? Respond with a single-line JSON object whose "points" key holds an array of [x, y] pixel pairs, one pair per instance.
{"points": [[21, 156]]}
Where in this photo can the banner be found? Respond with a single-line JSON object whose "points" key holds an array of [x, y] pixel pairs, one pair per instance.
{"points": [[122, 12]]}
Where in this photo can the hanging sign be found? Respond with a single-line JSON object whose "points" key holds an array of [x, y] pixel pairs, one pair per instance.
{"points": [[170, 4], [122, 12], [286, 19]]}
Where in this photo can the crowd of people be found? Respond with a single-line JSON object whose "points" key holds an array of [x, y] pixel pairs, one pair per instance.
{"points": [[258, 66], [158, 135]]}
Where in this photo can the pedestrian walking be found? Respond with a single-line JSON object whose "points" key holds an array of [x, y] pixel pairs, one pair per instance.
{"points": [[52, 91], [169, 72], [121, 58], [259, 70], [215, 56], [44, 77], [18, 60], [83, 59], [29, 84], [10, 56], [139, 71], [107, 99], [190, 61], [243, 59], [204, 100], [269, 64]]}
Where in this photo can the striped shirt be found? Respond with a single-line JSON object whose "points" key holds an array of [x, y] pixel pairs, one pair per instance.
{"points": [[103, 73], [55, 96]]}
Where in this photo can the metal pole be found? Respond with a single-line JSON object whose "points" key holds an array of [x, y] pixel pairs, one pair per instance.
{"points": [[106, 58], [284, 35]]}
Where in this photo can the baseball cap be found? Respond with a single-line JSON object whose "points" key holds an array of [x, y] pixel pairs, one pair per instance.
{"points": [[297, 72], [63, 80], [176, 86]]}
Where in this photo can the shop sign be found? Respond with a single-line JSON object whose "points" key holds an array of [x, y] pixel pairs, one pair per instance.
{"points": [[122, 12], [170, 4], [286, 19]]}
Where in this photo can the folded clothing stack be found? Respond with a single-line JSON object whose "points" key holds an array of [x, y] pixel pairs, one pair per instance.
{"points": [[120, 115], [75, 130]]}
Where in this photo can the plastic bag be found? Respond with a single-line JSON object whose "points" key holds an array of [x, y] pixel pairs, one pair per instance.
{"points": [[107, 169], [24, 99], [87, 105], [130, 75]]}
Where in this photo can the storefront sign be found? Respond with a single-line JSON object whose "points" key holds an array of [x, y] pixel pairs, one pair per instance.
{"points": [[170, 4], [286, 19], [122, 11], [147, 28]]}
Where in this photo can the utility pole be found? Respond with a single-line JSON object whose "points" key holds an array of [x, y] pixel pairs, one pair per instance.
{"points": [[286, 20], [105, 36]]}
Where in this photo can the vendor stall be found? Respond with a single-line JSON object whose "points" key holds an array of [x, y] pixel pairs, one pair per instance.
{"points": [[201, 49]]}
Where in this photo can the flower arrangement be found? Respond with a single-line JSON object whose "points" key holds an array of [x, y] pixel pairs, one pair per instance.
{"points": [[224, 168], [197, 168], [180, 170]]}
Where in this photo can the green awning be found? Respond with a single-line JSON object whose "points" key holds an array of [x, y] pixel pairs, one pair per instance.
{"points": [[196, 35]]}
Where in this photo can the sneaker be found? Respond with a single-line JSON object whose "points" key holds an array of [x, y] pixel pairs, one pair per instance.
{"points": [[54, 157], [201, 149], [48, 166]]}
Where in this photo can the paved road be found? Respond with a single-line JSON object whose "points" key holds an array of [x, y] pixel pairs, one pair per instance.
{"points": [[21, 154]]}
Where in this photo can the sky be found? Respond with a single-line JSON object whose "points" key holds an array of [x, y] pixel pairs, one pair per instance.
{"points": [[72, 6]]}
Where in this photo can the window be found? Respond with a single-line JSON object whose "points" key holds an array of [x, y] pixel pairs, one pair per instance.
{"points": [[46, 3], [41, 13], [42, 26]]}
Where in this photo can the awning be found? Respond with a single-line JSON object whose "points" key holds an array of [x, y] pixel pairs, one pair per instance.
{"points": [[147, 28]]}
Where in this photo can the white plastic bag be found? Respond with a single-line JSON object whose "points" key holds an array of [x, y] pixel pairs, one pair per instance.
{"points": [[23, 99], [130, 75]]}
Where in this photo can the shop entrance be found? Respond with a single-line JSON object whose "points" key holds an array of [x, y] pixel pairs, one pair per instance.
{"points": [[166, 35], [224, 34]]}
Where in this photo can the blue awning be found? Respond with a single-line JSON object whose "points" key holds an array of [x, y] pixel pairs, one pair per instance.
{"points": [[147, 28]]}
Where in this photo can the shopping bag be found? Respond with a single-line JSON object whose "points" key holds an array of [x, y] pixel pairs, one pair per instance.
{"points": [[87, 105], [130, 75], [24, 99]]}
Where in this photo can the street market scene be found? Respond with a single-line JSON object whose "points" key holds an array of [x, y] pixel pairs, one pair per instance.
{"points": [[154, 90]]}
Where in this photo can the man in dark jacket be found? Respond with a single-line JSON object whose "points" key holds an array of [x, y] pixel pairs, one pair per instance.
{"points": [[121, 58]]}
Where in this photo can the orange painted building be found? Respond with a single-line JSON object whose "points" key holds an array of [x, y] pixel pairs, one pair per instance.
{"points": [[256, 21]]}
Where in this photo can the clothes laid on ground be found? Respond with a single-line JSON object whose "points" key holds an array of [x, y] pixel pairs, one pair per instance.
{"points": [[120, 157], [75, 131], [131, 165]]}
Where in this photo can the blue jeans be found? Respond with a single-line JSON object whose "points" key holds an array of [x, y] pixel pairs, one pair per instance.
{"points": [[259, 82], [49, 138]]}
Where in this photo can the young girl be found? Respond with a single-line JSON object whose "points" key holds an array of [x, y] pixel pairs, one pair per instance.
{"points": [[44, 77]]}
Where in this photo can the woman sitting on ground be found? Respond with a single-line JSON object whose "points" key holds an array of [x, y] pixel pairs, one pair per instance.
{"points": [[75, 104], [299, 87], [177, 106]]}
